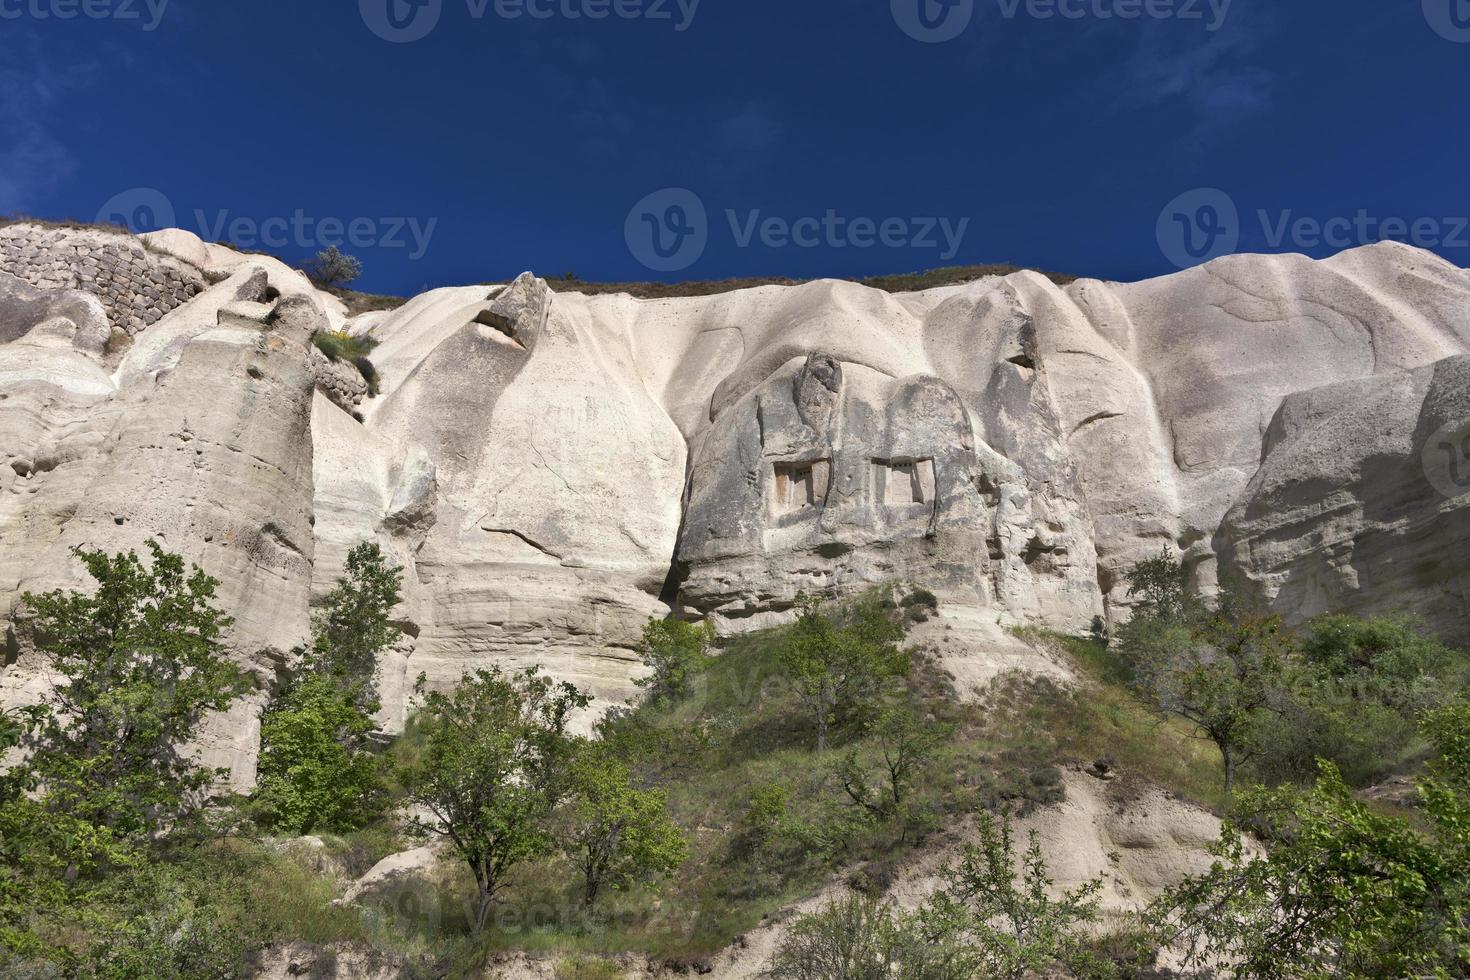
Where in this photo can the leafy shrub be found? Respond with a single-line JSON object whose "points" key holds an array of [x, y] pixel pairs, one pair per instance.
{"points": [[673, 651], [1343, 890], [314, 773], [919, 605], [857, 938], [998, 913], [1353, 696]]}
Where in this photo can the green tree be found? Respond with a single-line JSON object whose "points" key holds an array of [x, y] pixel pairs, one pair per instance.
{"points": [[333, 268], [616, 833], [838, 667], [317, 768], [356, 626], [905, 746], [1005, 920], [1161, 585], [493, 770], [1343, 890], [673, 651], [1220, 671], [139, 666]]}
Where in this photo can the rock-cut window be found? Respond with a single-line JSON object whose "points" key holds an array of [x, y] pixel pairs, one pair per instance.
{"points": [[801, 486], [900, 483]]}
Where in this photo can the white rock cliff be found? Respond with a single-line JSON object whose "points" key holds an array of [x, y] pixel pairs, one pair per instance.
{"points": [[552, 469]]}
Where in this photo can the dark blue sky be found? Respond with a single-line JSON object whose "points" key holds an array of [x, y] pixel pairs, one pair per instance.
{"points": [[525, 142]]}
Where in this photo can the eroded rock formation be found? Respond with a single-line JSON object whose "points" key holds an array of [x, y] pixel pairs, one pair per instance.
{"points": [[553, 469]]}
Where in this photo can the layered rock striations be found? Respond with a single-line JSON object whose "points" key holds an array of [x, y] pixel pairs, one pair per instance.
{"points": [[553, 469]]}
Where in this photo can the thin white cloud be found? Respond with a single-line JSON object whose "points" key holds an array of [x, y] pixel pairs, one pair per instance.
{"points": [[745, 141], [33, 160], [1219, 77]]}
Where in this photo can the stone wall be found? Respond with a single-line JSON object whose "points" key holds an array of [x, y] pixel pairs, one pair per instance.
{"points": [[341, 382], [135, 286]]}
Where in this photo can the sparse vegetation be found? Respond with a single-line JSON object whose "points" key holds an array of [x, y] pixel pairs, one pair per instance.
{"points": [[714, 803], [988, 920], [350, 349], [331, 268], [343, 347]]}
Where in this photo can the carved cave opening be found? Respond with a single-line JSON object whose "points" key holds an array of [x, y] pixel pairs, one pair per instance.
{"points": [[801, 487], [904, 482]]}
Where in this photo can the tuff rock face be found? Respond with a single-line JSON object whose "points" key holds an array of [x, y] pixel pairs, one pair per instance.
{"points": [[553, 469]]}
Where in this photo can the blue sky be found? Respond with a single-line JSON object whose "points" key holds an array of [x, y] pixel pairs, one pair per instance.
{"points": [[762, 137]]}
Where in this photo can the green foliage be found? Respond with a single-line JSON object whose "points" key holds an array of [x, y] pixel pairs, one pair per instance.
{"points": [[989, 920], [860, 938], [840, 664], [344, 347], [673, 651], [317, 769], [1161, 584], [905, 745], [1219, 671], [1355, 694], [350, 349], [587, 968], [1385, 658], [767, 808], [332, 268], [356, 628], [616, 833], [1347, 690], [493, 769], [1004, 920], [139, 666], [314, 770], [168, 934], [1343, 891]]}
